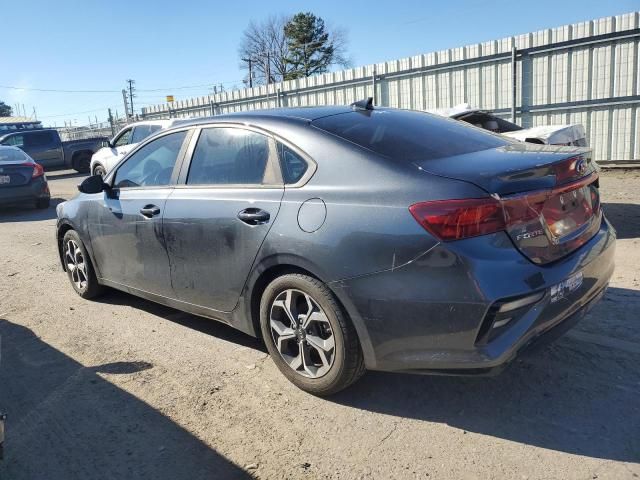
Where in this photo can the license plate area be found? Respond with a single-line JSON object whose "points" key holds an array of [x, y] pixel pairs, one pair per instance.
{"points": [[5, 179], [566, 287]]}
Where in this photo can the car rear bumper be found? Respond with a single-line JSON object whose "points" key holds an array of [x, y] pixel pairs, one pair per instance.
{"points": [[429, 316], [34, 190]]}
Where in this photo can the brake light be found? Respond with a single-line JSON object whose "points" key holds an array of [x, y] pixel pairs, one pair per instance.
{"points": [[461, 218], [38, 170], [456, 219]]}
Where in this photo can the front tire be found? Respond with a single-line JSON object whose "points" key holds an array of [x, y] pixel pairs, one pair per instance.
{"points": [[99, 170], [309, 336], [79, 267]]}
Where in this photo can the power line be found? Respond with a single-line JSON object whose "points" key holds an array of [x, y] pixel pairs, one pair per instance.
{"points": [[57, 90]]}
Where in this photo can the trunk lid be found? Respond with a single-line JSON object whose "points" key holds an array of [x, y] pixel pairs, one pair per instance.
{"points": [[15, 174], [549, 195]]}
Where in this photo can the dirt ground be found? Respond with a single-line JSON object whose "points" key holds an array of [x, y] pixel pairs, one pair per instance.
{"points": [[123, 388]]}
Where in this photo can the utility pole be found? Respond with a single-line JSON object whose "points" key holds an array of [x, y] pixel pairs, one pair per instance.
{"points": [[249, 61], [131, 95], [126, 104], [113, 130], [268, 69]]}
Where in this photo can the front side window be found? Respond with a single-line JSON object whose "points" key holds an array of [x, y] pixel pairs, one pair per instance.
{"points": [[227, 156], [143, 131], [153, 164], [15, 141], [123, 139]]}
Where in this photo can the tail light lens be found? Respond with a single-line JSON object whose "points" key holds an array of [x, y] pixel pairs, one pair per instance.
{"points": [[461, 218], [559, 211], [38, 170]]}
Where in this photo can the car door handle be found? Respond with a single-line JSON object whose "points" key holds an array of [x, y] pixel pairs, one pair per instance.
{"points": [[150, 211], [254, 216]]}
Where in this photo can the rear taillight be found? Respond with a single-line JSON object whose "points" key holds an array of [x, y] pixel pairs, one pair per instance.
{"points": [[38, 170], [461, 218], [530, 212]]}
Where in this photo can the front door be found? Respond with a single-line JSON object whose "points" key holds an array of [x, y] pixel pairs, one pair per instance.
{"points": [[125, 224], [216, 220]]}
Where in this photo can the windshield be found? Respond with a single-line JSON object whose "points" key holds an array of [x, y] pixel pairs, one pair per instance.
{"points": [[407, 135]]}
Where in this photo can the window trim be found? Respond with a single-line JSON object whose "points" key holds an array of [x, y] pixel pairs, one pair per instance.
{"points": [[152, 138]]}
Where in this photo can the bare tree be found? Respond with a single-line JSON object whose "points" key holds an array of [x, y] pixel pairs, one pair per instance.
{"points": [[264, 45], [265, 51]]}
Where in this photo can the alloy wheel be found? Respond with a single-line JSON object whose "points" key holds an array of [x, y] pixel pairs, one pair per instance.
{"points": [[76, 265], [302, 333]]}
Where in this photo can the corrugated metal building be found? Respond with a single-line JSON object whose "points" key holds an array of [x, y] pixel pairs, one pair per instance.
{"points": [[584, 73]]}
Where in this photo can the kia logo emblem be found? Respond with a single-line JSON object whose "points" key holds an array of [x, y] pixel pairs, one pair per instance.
{"points": [[581, 166]]}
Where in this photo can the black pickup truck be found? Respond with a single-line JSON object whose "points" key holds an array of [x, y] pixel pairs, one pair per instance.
{"points": [[46, 148]]}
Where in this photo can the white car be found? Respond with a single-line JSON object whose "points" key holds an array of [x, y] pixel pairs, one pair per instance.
{"points": [[573, 134], [125, 140]]}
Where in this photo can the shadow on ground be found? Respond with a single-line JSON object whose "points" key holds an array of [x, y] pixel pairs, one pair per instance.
{"points": [[66, 422], [205, 325], [572, 396], [625, 217], [29, 213]]}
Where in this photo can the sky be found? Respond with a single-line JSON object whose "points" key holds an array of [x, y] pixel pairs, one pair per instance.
{"points": [[167, 46]]}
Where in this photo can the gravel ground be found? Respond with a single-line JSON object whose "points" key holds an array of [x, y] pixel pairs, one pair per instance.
{"points": [[124, 388]]}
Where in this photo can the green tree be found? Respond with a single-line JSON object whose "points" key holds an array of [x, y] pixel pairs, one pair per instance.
{"points": [[312, 48], [5, 110]]}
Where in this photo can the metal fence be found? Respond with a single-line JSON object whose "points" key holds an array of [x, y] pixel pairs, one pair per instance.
{"points": [[585, 73], [101, 129]]}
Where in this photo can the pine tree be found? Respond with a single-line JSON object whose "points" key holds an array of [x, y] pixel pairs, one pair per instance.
{"points": [[311, 50]]}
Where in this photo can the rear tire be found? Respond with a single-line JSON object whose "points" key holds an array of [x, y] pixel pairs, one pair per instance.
{"points": [[322, 357], [79, 267], [43, 203], [82, 163]]}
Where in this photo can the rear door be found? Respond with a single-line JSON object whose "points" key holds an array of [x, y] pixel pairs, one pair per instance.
{"points": [[217, 218], [44, 147]]}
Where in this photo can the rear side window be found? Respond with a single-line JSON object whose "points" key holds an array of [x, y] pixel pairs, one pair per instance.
{"points": [[408, 136], [226, 156], [38, 139], [293, 165]]}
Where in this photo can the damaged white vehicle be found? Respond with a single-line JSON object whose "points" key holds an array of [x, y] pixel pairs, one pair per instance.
{"points": [[545, 134]]}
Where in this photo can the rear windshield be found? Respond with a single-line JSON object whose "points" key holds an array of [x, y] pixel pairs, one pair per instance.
{"points": [[407, 135], [12, 155]]}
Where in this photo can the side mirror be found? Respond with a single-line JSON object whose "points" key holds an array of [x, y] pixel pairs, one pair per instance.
{"points": [[107, 143], [93, 184]]}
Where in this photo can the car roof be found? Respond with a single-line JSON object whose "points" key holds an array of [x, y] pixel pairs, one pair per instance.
{"points": [[294, 114], [163, 123]]}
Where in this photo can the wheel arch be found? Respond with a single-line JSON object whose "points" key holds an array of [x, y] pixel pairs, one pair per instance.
{"points": [[271, 268]]}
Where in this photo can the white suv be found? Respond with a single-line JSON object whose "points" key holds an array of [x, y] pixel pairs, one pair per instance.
{"points": [[125, 140]]}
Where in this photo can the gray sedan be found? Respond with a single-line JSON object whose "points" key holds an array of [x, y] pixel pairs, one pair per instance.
{"points": [[350, 238]]}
